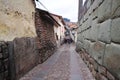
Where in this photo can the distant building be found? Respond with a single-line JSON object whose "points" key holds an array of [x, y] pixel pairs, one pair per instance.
{"points": [[59, 30], [72, 30]]}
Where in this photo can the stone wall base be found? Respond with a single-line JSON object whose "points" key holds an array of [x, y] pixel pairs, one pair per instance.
{"points": [[19, 56], [97, 70]]}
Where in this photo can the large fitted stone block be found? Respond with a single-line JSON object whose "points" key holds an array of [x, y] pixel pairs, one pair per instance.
{"points": [[115, 8], [79, 29], [84, 26], [81, 21], [94, 31], [90, 10], [86, 45], [89, 3], [95, 14], [84, 33], [98, 51], [105, 32], [80, 37], [90, 50], [96, 4], [115, 30], [85, 17], [89, 22], [87, 34], [112, 59], [79, 46], [104, 10]]}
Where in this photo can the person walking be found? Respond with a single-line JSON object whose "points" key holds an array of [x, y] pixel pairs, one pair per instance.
{"points": [[68, 39]]}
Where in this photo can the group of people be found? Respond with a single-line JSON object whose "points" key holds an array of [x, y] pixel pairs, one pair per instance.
{"points": [[68, 40]]}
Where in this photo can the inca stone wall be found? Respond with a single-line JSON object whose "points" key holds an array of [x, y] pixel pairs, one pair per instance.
{"points": [[99, 38]]}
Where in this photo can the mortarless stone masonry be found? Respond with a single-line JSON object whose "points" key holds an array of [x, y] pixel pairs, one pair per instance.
{"points": [[100, 48]]}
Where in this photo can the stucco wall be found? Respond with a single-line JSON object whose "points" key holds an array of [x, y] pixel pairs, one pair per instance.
{"points": [[99, 38], [16, 19], [31, 36]]}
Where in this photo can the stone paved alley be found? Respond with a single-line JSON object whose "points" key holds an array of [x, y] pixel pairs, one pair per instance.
{"points": [[30, 32], [65, 64]]}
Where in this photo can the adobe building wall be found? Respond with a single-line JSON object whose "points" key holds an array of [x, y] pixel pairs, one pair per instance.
{"points": [[16, 19], [25, 42], [99, 38], [17, 26]]}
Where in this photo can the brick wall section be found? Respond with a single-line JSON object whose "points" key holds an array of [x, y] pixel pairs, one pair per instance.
{"points": [[99, 38], [46, 38]]}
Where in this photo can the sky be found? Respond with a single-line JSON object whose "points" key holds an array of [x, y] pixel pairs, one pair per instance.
{"points": [[65, 8]]}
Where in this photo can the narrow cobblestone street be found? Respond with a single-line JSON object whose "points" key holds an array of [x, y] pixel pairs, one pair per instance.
{"points": [[65, 64]]}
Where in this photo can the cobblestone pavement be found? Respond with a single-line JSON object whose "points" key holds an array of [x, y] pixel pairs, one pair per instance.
{"points": [[65, 64]]}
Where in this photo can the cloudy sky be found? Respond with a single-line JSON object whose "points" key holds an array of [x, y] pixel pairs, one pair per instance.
{"points": [[65, 8]]}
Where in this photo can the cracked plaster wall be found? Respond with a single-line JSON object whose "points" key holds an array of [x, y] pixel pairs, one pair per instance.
{"points": [[16, 19]]}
